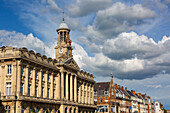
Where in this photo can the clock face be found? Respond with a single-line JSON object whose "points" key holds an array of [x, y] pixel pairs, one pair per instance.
{"points": [[61, 50]]}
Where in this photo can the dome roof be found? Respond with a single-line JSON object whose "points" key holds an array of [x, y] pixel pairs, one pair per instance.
{"points": [[63, 25]]}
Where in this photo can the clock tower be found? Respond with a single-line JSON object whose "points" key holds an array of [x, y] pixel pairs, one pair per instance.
{"points": [[63, 48]]}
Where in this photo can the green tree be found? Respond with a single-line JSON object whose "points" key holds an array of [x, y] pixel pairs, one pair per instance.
{"points": [[165, 111]]}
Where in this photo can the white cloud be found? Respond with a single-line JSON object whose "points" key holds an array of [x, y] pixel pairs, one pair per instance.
{"points": [[85, 7], [154, 86], [20, 40], [119, 18]]}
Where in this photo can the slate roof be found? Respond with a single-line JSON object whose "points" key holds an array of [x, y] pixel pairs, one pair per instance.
{"points": [[101, 87]]}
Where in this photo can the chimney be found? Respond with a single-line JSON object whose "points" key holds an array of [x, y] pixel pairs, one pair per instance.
{"points": [[115, 85], [122, 88], [126, 88], [134, 92], [118, 86]]}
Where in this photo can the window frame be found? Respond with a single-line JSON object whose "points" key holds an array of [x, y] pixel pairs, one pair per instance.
{"points": [[9, 69]]}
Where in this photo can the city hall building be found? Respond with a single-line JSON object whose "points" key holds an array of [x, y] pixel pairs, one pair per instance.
{"points": [[31, 82]]}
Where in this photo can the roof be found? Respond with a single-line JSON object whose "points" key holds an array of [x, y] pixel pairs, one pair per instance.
{"points": [[100, 87], [63, 25]]}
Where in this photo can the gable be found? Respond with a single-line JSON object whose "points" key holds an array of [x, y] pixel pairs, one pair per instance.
{"points": [[71, 63]]}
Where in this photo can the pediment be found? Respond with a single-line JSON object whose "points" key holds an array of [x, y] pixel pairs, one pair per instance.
{"points": [[72, 63]]}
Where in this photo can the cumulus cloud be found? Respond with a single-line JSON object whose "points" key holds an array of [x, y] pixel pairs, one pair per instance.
{"points": [[119, 18], [20, 40], [85, 7]]}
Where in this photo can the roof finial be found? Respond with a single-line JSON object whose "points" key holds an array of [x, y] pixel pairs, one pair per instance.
{"points": [[111, 75], [63, 16]]}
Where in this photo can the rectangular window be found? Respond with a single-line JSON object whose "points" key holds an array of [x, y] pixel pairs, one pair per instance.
{"points": [[36, 74], [21, 88], [29, 90], [48, 77], [9, 70], [35, 91], [8, 88], [22, 70], [54, 93], [48, 92], [42, 76], [42, 92], [7, 109], [100, 100], [29, 72]]}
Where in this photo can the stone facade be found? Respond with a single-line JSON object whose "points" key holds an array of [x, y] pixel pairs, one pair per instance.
{"points": [[32, 82]]}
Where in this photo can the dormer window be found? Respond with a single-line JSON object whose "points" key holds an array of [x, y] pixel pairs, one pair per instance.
{"points": [[106, 92], [95, 93]]}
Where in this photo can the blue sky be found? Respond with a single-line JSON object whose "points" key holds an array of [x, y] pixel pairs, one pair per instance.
{"points": [[127, 37]]}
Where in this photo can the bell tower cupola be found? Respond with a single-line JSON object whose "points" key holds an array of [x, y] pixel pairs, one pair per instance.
{"points": [[63, 48]]}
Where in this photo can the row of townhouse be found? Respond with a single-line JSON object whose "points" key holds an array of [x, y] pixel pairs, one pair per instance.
{"points": [[113, 98]]}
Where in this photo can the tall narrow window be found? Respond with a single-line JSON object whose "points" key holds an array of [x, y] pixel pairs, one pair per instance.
{"points": [[36, 74], [21, 88], [9, 70], [42, 75], [7, 109], [8, 88], [22, 70], [61, 39], [29, 90], [35, 91], [29, 72], [54, 93], [48, 77], [48, 92], [42, 92], [22, 109]]}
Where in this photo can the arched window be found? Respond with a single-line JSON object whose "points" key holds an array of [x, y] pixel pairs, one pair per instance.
{"points": [[61, 33], [7, 109]]}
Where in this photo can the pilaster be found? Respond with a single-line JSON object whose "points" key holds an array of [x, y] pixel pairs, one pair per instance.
{"points": [[71, 87], [51, 86], [40, 83], [26, 80], [62, 85], [75, 89], [18, 77], [33, 82], [67, 92], [59, 86], [13, 81]]}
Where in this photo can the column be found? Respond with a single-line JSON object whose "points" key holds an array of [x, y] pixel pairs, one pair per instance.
{"points": [[67, 92], [59, 87], [79, 95], [71, 87], [33, 82], [62, 84], [18, 77], [2, 79], [90, 99], [26, 81], [75, 89], [83, 101], [86, 93], [93, 94], [18, 107], [46, 84], [39, 83], [51, 86], [13, 83]]}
